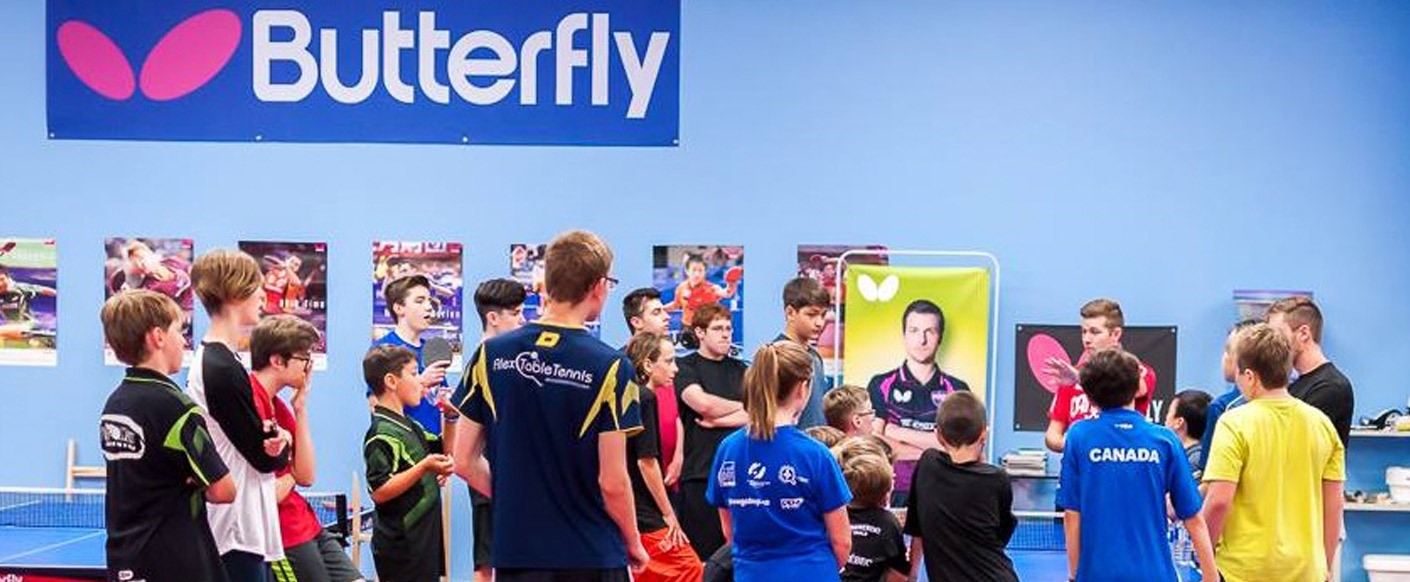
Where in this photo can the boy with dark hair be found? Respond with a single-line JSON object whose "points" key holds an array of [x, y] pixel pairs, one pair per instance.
{"points": [[411, 307], [878, 547], [1186, 418], [280, 349], [405, 470], [160, 462], [1103, 324], [848, 408], [1275, 474], [1117, 472], [500, 303], [805, 304], [550, 390], [960, 511], [1319, 382], [643, 311]]}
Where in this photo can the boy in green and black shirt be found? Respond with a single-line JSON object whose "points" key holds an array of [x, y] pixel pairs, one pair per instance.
{"points": [[162, 465], [405, 471]]}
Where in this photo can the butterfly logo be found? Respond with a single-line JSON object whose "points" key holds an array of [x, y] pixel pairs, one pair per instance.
{"points": [[186, 58], [901, 396], [879, 292]]}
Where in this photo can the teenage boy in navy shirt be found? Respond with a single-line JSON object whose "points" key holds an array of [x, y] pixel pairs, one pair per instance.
{"points": [[1117, 472]]}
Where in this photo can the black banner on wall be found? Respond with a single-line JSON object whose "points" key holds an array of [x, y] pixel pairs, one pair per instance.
{"points": [[1155, 346]]}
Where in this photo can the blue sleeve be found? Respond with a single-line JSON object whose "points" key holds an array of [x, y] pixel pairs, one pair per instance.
{"points": [[1215, 411], [720, 479], [1180, 482], [830, 487], [1070, 480]]}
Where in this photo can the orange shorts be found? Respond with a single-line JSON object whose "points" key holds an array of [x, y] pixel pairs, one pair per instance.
{"points": [[677, 564]]}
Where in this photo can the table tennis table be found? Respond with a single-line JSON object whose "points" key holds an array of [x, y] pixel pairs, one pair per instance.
{"points": [[56, 535]]}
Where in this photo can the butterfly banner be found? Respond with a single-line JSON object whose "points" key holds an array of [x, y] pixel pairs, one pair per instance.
{"points": [[915, 335], [1034, 389]]}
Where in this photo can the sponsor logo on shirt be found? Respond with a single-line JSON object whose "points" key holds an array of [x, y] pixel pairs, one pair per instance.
{"points": [[1123, 455], [787, 474], [535, 370], [122, 437], [856, 560], [749, 502], [756, 475], [865, 529], [726, 474], [790, 503]]}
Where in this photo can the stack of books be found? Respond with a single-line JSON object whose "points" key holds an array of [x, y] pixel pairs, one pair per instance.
{"points": [[1026, 462]]}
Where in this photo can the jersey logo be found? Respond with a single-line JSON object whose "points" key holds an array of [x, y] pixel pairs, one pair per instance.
{"points": [[787, 474], [547, 339], [880, 292], [901, 396], [725, 476], [122, 437]]}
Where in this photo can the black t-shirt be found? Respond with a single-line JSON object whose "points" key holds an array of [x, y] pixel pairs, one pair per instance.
{"points": [[645, 445], [877, 546], [406, 536], [160, 459], [964, 515], [1329, 391], [723, 378]]}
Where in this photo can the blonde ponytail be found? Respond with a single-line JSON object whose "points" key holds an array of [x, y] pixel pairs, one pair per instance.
{"points": [[778, 371]]}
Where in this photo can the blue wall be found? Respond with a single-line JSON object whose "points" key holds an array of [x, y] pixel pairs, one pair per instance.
{"points": [[1163, 154]]}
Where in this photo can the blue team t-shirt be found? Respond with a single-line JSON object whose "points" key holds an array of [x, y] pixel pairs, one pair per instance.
{"points": [[544, 393], [1116, 472], [777, 492], [1223, 403], [426, 412]]}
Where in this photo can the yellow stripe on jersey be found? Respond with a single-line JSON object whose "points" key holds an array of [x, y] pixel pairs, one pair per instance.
{"points": [[607, 394], [481, 373]]}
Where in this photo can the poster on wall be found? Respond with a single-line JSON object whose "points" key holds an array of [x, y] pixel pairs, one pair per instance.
{"points": [[526, 264], [820, 263], [915, 335], [692, 276], [440, 263], [1034, 389], [1253, 304], [155, 264], [295, 283], [29, 302], [569, 72]]}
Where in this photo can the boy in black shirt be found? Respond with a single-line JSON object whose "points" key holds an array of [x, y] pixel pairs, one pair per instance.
{"points": [[960, 512], [161, 462], [405, 471], [878, 548]]}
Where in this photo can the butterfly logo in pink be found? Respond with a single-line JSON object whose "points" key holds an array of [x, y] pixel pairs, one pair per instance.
{"points": [[186, 58]]}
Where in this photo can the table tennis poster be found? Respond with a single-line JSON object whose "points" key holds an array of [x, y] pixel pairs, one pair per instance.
{"points": [[162, 265], [692, 276], [294, 281], [1035, 343], [526, 265], [29, 302], [441, 263]]}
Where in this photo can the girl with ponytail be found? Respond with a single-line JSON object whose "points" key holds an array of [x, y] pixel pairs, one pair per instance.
{"points": [[780, 493]]}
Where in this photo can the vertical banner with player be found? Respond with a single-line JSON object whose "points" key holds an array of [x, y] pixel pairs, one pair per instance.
{"points": [[1034, 388], [526, 266], [29, 302], [915, 335], [155, 264], [442, 266], [820, 262], [295, 283], [691, 276]]}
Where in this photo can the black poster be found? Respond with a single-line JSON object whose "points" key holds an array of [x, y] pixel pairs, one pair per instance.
{"points": [[1155, 346]]}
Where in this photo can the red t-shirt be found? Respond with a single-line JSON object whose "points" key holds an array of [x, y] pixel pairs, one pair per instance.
{"points": [[667, 411], [298, 523], [1070, 404]]}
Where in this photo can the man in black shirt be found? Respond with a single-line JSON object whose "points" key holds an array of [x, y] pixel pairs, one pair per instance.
{"points": [[161, 462], [711, 385], [1319, 383], [960, 511]]}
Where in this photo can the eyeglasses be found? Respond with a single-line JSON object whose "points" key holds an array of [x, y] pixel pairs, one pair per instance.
{"points": [[307, 360], [612, 282], [866, 413]]}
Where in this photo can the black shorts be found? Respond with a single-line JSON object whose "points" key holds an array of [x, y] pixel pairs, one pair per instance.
{"points": [[700, 520], [576, 575], [481, 528], [321, 559]]}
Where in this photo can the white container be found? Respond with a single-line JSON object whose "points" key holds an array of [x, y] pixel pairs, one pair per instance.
{"points": [[1398, 481], [1387, 568]]}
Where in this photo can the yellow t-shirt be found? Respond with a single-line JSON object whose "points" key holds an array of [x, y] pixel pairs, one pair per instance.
{"points": [[1278, 452]]}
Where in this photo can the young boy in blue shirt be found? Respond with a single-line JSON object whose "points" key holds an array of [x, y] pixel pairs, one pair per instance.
{"points": [[1117, 471]]}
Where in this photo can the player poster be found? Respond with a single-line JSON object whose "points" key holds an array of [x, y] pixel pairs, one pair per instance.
{"points": [[526, 266], [155, 264], [1034, 390], [29, 302], [441, 264], [690, 276], [295, 283], [915, 335], [820, 262]]}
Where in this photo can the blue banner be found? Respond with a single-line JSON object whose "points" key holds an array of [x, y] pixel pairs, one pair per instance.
{"points": [[557, 72]]}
